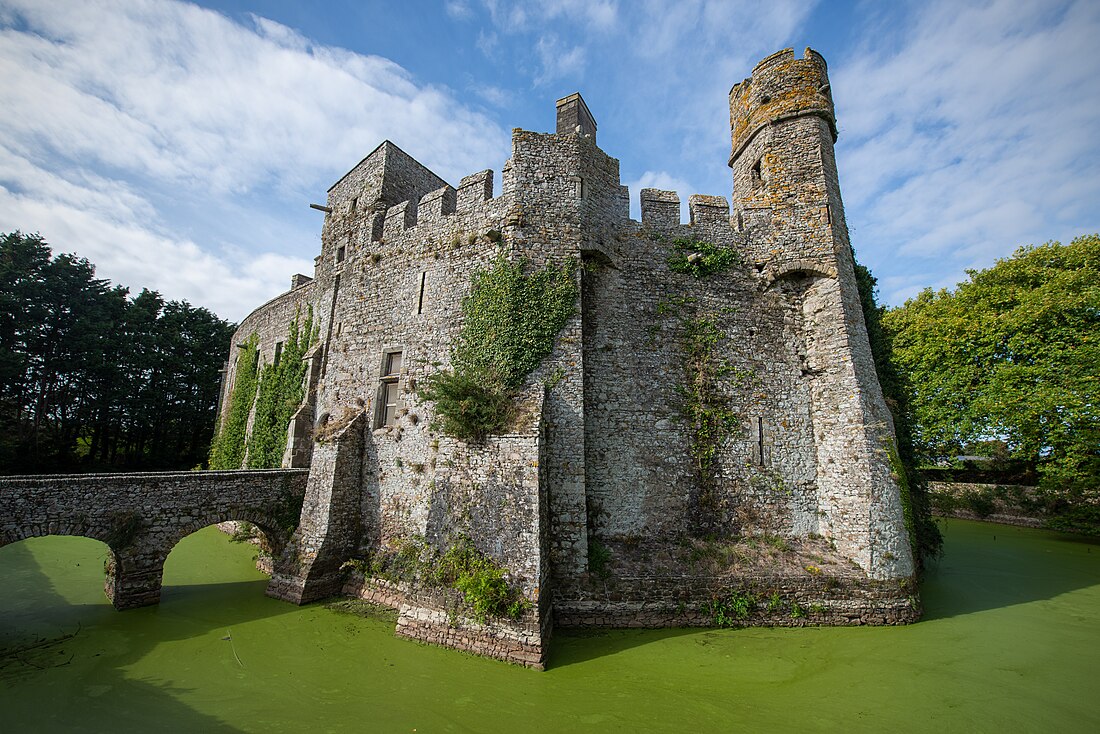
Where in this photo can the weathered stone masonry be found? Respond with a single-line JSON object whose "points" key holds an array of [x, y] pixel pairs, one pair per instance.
{"points": [[591, 503]]}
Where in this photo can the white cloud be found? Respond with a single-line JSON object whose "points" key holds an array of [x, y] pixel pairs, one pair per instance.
{"points": [[458, 9], [974, 133], [115, 228], [493, 95], [171, 104], [525, 15]]}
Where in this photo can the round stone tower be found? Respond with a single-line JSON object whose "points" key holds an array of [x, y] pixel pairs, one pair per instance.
{"points": [[786, 195]]}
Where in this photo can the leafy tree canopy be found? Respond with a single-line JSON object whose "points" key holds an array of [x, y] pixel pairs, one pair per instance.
{"points": [[1012, 358], [91, 378]]}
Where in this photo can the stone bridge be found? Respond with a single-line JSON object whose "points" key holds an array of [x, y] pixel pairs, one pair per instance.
{"points": [[142, 516]]}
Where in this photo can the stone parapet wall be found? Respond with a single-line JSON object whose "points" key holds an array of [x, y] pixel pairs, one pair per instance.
{"points": [[142, 516]]}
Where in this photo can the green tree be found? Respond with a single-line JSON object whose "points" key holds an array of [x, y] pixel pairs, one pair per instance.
{"points": [[1012, 355], [93, 379]]}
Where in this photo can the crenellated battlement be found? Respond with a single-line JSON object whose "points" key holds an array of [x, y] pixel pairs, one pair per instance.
{"points": [[660, 209], [436, 208], [709, 209], [781, 87]]}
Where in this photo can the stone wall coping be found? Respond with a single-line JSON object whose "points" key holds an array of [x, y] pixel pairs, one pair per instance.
{"points": [[195, 475]]}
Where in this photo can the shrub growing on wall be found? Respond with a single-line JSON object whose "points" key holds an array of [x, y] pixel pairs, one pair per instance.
{"points": [[510, 323]]}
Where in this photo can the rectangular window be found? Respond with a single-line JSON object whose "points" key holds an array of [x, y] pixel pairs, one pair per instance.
{"points": [[389, 392], [278, 353], [340, 251]]}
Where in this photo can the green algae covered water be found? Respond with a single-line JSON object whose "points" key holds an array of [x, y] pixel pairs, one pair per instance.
{"points": [[1010, 642]]}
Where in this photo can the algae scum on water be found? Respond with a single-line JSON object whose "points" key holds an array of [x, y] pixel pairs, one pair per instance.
{"points": [[1008, 643]]}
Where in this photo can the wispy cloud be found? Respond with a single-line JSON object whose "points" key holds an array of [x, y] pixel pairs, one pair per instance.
{"points": [[458, 9], [558, 59], [169, 102], [974, 132]]}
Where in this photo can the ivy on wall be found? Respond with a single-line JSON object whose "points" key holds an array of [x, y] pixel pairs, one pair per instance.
{"points": [[511, 321], [227, 449], [705, 407], [705, 403], [280, 395]]}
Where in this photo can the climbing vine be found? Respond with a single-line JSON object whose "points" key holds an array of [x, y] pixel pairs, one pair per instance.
{"points": [[704, 406], [901, 475], [511, 320], [280, 395], [700, 258], [705, 403], [227, 449]]}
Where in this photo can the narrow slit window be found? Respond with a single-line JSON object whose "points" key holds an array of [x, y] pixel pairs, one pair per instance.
{"points": [[420, 298], [760, 440], [278, 353]]}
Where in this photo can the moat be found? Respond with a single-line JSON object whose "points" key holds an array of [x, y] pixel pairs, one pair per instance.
{"points": [[1008, 642]]}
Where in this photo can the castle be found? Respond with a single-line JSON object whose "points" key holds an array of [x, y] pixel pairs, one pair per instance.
{"points": [[702, 442]]}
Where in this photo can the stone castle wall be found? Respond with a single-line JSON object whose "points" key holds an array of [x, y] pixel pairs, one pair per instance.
{"points": [[605, 456]]}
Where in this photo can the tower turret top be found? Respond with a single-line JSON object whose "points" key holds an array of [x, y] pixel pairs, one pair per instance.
{"points": [[781, 87]]}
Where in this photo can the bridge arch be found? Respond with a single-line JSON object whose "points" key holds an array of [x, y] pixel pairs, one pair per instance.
{"points": [[275, 535], [141, 517]]}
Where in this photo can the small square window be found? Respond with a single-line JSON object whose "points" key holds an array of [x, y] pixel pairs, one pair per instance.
{"points": [[757, 173]]}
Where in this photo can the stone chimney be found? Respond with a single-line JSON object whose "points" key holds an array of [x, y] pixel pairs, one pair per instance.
{"points": [[574, 117]]}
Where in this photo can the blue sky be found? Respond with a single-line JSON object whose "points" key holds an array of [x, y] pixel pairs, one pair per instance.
{"points": [[177, 146]]}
